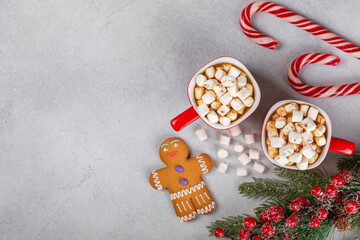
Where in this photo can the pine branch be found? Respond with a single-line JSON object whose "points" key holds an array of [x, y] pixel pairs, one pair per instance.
{"points": [[311, 178], [230, 225], [351, 163]]}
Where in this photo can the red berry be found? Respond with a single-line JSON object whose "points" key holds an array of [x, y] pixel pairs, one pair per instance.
{"points": [[340, 200], [347, 175], [331, 190], [338, 180], [258, 238], [295, 216], [322, 197], [218, 232], [359, 173], [276, 213], [243, 234], [249, 223], [302, 201], [322, 213], [316, 191], [295, 206], [315, 222], [351, 206], [291, 222], [267, 229], [264, 217]]}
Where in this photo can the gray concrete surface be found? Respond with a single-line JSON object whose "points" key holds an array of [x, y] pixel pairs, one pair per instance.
{"points": [[88, 89]]}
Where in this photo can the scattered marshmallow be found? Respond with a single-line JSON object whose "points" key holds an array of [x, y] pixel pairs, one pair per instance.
{"points": [[303, 164], [281, 160], [308, 151], [320, 141], [254, 154], [248, 102], [209, 84], [234, 72], [304, 109], [295, 137], [308, 124], [235, 131], [236, 104], [228, 81], [222, 153], [313, 112], [244, 93], [225, 139], [238, 147], [306, 138], [219, 89], [225, 121], [226, 98], [241, 171], [280, 122], [319, 130], [295, 157], [249, 138], [203, 109], [297, 116], [277, 142], [209, 97], [223, 110], [288, 128], [286, 150], [219, 74], [259, 167], [233, 90], [201, 134], [200, 80], [212, 117], [244, 159], [223, 167], [210, 72], [241, 81]]}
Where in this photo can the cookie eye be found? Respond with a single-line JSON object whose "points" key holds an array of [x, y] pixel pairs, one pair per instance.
{"points": [[176, 145], [165, 149]]}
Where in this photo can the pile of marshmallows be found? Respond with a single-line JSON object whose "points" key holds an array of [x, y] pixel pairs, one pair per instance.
{"points": [[295, 135], [238, 147], [223, 93]]}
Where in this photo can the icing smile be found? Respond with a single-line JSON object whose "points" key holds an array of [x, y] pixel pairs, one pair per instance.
{"points": [[172, 154]]}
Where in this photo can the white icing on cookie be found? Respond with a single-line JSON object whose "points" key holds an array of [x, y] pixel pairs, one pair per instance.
{"points": [[187, 191], [206, 209], [202, 164], [187, 217], [156, 180]]}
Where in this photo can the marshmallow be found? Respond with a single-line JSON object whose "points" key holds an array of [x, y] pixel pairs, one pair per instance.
{"points": [[248, 102], [296, 147], [198, 92], [219, 74], [295, 157], [199, 102], [225, 139], [244, 159], [223, 167], [291, 107], [227, 66], [313, 112], [288, 128], [272, 132], [241, 171], [203, 109], [238, 147], [295, 137], [241, 81], [306, 138], [280, 122], [297, 116], [233, 90], [299, 128], [210, 72], [235, 131], [243, 93], [212, 117], [219, 89], [250, 88], [225, 121], [308, 124], [281, 111], [286, 150], [304, 109], [209, 97], [223, 110], [308, 151], [303, 164], [216, 105], [236, 104], [201, 134], [228, 81], [209, 84], [259, 167], [232, 114], [281, 160], [249, 138], [254, 154], [319, 130], [234, 72], [320, 141], [200, 80], [226, 98], [222, 153], [314, 158], [273, 152], [277, 142]]}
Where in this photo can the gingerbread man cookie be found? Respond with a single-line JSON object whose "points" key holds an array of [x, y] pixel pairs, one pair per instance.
{"points": [[182, 177]]}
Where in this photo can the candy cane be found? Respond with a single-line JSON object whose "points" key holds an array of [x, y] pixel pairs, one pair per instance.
{"points": [[311, 58]]}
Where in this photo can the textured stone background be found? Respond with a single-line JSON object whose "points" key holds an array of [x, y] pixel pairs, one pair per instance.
{"points": [[88, 89]]}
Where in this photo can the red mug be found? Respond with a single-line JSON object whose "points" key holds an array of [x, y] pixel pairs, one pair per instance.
{"points": [[333, 144], [192, 114]]}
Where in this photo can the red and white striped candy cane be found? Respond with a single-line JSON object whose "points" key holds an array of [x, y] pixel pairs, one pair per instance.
{"points": [[311, 58], [320, 92]]}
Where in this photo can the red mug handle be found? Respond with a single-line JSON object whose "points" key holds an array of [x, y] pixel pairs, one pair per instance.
{"points": [[184, 119], [341, 146]]}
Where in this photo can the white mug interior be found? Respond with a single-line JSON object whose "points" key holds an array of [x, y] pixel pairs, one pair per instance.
{"points": [[236, 63], [328, 133]]}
